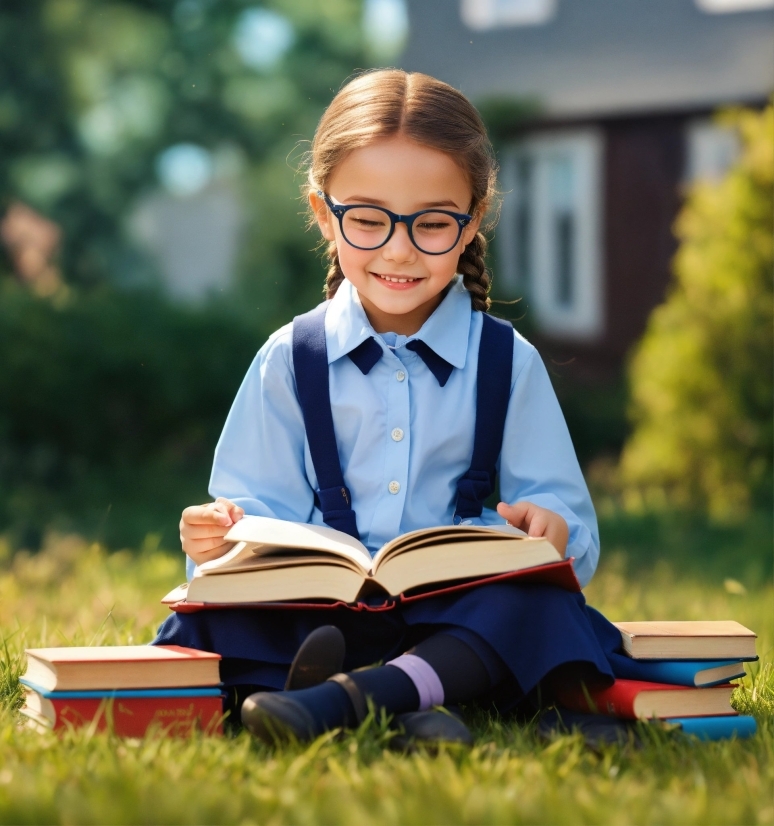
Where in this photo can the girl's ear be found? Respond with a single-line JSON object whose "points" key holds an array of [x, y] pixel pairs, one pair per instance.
{"points": [[322, 216], [469, 233]]}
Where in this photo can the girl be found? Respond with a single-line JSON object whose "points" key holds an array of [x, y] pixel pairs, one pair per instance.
{"points": [[390, 408]]}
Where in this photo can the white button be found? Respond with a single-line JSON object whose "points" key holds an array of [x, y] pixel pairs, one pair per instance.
{"points": [[393, 487], [400, 375], [397, 434]]}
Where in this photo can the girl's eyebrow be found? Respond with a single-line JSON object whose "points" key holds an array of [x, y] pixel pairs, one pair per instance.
{"points": [[376, 202]]}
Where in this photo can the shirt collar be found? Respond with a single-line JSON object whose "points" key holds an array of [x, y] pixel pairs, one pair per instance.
{"points": [[446, 332]]}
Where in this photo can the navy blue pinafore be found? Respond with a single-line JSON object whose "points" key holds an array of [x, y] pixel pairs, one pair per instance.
{"points": [[532, 629]]}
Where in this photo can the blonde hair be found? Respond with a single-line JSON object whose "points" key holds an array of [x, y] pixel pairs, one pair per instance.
{"points": [[388, 102]]}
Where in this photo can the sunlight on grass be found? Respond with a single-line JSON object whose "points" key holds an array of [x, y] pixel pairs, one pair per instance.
{"points": [[75, 593]]}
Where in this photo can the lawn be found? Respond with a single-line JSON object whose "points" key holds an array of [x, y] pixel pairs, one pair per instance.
{"points": [[652, 568]]}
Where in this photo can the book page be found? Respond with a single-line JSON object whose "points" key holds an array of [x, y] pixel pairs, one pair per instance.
{"points": [[477, 557], [442, 535], [279, 559], [261, 536]]}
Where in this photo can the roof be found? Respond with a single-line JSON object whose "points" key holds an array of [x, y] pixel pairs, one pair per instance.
{"points": [[600, 57]]}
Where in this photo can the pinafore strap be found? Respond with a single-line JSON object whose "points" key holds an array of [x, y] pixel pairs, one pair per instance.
{"points": [[310, 363], [493, 392]]}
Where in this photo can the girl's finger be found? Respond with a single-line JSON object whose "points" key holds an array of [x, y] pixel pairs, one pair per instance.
{"points": [[203, 531], [558, 533], [236, 513], [198, 546], [515, 514], [538, 524], [212, 553], [212, 514]]}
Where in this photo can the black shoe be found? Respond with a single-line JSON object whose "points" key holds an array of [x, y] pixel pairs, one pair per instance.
{"points": [[274, 717], [320, 656], [429, 729]]}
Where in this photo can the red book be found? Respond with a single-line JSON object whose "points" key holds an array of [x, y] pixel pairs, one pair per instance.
{"points": [[637, 700], [560, 574], [175, 712], [110, 667]]}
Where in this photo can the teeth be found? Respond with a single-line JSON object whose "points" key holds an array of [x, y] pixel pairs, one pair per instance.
{"points": [[396, 280]]}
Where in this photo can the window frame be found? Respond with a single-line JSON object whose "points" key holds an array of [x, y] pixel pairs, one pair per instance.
{"points": [[583, 318], [481, 15]]}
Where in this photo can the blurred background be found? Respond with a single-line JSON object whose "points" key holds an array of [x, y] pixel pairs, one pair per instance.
{"points": [[152, 235]]}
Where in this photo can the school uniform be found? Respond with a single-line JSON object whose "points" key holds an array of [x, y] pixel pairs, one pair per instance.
{"points": [[410, 434]]}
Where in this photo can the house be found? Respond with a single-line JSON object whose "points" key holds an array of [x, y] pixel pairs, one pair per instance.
{"points": [[621, 95]]}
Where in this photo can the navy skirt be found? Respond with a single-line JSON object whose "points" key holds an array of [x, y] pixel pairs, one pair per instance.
{"points": [[533, 628]]}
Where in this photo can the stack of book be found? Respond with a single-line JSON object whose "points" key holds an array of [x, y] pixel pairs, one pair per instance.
{"points": [[678, 672], [128, 689]]}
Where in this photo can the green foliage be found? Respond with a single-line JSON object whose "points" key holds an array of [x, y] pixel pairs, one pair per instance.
{"points": [[504, 115], [111, 399], [75, 593], [91, 91], [702, 376]]}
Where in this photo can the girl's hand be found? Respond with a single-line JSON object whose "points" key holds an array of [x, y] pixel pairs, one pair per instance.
{"points": [[202, 528], [536, 521]]}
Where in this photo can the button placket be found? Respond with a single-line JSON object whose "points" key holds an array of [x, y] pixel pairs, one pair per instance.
{"points": [[389, 515]]}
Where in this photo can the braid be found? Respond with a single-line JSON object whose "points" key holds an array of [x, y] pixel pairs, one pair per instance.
{"points": [[335, 276], [475, 276]]}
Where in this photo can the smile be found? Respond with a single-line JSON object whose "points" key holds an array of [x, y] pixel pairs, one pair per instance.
{"points": [[395, 279]]}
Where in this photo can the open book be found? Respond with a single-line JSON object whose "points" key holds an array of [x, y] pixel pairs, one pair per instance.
{"points": [[278, 561]]}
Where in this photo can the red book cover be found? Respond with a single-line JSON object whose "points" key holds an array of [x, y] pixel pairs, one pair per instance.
{"points": [[638, 700], [560, 574], [132, 716]]}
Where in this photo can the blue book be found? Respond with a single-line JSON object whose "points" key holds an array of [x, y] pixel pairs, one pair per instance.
{"points": [[717, 728], [209, 691], [695, 673]]}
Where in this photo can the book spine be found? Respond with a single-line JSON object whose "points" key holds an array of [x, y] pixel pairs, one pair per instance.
{"points": [[672, 672], [616, 701], [717, 728], [101, 694], [133, 717]]}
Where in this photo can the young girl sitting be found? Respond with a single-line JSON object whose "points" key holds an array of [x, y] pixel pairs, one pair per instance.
{"points": [[390, 408]]}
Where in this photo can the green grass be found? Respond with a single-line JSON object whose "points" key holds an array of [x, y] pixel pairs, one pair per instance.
{"points": [[74, 593]]}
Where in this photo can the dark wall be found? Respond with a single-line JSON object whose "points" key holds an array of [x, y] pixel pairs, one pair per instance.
{"points": [[644, 161]]}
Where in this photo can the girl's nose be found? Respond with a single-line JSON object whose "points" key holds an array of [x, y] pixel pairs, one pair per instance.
{"points": [[399, 248]]}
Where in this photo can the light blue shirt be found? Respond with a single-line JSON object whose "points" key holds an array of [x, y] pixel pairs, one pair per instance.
{"points": [[403, 440]]}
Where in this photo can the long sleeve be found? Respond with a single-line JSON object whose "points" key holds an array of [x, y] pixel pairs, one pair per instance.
{"points": [[259, 461], [538, 461]]}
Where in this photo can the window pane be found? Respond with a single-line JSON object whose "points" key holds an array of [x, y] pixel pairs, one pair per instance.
{"points": [[562, 197], [565, 243]]}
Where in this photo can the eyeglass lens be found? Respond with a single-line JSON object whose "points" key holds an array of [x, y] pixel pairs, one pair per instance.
{"points": [[368, 228]]}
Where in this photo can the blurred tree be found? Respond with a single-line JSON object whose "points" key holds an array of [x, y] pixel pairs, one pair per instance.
{"points": [[701, 379], [92, 92], [112, 402]]}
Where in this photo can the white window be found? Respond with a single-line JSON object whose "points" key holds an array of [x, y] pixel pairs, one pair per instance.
{"points": [[490, 14], [550, 236], [712, 149]]}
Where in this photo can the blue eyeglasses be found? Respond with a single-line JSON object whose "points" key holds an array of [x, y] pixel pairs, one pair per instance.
{"points": [[432, 231]]}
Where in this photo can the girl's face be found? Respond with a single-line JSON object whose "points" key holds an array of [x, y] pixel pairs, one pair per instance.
{"points": [[399, 286]]}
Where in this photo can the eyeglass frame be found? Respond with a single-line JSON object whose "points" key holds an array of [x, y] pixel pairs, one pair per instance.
{"points": [[339, 210]]}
